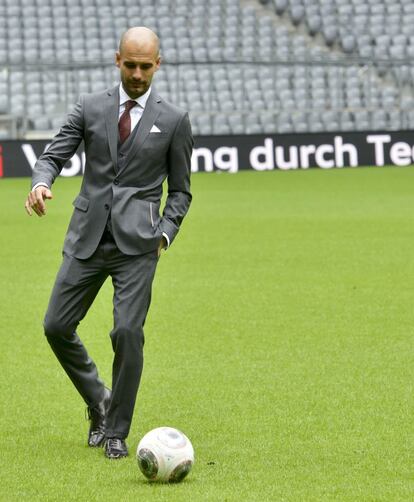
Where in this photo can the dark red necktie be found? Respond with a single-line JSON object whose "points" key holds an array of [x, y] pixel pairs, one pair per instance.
{"points": [[124, 124]]}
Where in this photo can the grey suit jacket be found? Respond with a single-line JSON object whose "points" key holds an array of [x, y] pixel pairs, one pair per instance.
{"points": [[129, 188]]}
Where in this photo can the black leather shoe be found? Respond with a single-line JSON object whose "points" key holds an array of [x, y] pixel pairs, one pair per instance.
{"points": [[115, 448], [97, 416]]}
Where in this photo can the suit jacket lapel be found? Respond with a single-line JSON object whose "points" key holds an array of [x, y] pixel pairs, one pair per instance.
{"points": [[148, 118], [111, 122]]}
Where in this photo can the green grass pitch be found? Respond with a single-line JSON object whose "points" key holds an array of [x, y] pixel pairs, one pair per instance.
{"points": [[280, 340]]}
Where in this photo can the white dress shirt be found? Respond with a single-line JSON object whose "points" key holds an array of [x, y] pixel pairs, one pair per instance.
{"points": [[136, 112]]}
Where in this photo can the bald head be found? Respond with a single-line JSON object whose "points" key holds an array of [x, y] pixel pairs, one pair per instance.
{"points": [[141, 38], [138, 59]]}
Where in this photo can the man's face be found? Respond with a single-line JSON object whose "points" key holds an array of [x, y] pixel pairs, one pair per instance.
{"points": [[137, 63]]}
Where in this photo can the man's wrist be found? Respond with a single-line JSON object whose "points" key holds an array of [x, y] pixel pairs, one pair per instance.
{"points": [[41, 184]]}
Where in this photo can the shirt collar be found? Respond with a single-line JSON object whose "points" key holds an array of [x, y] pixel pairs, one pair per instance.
{"points": [[142, 100]]}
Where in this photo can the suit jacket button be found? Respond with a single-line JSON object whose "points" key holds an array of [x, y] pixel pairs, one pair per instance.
{"points": [[116, 182], [106, 206]]}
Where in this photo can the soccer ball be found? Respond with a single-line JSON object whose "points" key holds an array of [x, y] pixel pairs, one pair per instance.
{"points": [[165, 454]]}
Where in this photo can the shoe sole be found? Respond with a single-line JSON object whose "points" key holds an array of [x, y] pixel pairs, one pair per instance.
{"points": [[115, 457], [99, 445]]}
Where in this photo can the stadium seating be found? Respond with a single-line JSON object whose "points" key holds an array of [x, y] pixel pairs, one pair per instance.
{"points": [[262, 67], [382, 28]]}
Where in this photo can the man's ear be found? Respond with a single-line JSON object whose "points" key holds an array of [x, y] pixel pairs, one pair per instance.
{"points": [[158, 63], [118, 59]]}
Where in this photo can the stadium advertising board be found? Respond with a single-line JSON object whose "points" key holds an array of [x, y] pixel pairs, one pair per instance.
{"points": [[259, 152]]}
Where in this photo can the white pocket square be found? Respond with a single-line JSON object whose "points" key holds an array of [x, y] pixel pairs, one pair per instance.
{"points": [[154, 128]]}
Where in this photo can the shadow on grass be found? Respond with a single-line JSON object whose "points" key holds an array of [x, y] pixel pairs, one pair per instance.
{"points": [[153, 485]]}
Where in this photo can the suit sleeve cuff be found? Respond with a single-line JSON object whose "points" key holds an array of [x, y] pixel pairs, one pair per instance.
{"points": [[167, 239], [41, 184]]}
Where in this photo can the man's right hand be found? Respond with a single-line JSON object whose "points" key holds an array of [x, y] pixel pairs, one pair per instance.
{"points": [[36, 200]]}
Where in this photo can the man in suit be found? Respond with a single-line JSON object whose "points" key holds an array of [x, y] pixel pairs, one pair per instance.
{"points": [[134, 140]]}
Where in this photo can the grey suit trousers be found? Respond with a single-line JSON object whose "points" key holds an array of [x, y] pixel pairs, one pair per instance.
{"points": [[77, 284]]}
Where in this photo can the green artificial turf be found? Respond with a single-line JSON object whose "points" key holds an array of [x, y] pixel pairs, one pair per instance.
{"points": [[280, 340]]}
